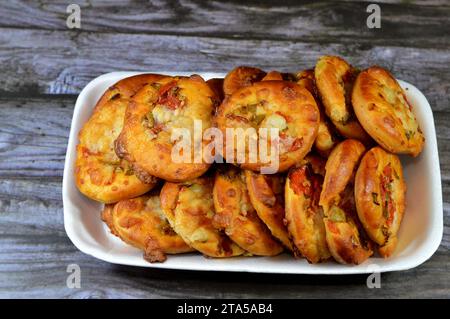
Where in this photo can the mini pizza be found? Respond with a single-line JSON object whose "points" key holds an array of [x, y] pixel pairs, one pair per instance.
{"points": [[99, 173], [189, 207], [326, 139], [385, 113], [266, 194], [240, 77], [141, 223], [334, 80], [282, 106], [380, 197], [235, 214], [151, 138], [345, 236], [304, 216]]}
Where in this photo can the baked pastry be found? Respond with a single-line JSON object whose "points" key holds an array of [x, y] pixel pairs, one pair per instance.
{"points": [[385, 113], [326, 139], [159, 128], [304, 216], [235, 214], [380, 197], [345, 237], [266, 194], [141, 223], [240, 77], [280, 105], [189, 208], [334, 80], [99, 173]]}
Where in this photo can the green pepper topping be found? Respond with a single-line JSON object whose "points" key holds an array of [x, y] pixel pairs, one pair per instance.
{"points": [[337, 215], [148, 120]]}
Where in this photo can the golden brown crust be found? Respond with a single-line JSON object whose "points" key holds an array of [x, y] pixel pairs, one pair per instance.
{"points": [[345, 237], [353, 130], [332, 75], [380, 197], [106, 217], [389, 247], [240, 77], [344, 243], [127, 87], [271, 104], [385, 113], [189, 208], [141, 223], [152, 117], [99, 173], [334, 80], [273, 76], [326, 139], [304, 216], [266, 194], [340, 168], [235, 214]]}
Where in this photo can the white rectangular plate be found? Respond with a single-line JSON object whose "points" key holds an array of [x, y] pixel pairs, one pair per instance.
{"points": [[419, 237]]}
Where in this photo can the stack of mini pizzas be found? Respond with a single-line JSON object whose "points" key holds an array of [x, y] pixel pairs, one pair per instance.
{"points": [[337, 192]]}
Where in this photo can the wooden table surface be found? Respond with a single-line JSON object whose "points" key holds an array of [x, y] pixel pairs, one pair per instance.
{"points": [[44, 65]]}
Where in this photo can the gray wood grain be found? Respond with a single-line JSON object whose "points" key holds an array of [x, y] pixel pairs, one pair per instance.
{"points": [[403, 23], [35, 251], [44, 65], [63, 62]]}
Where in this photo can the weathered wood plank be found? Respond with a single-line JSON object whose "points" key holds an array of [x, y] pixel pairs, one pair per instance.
{"points": [[60, 62], [30, 274], [317, 21], [440, 3], [33, 138]]}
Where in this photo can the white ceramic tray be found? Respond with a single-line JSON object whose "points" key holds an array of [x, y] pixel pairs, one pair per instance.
{"points": [[419, 236]]}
